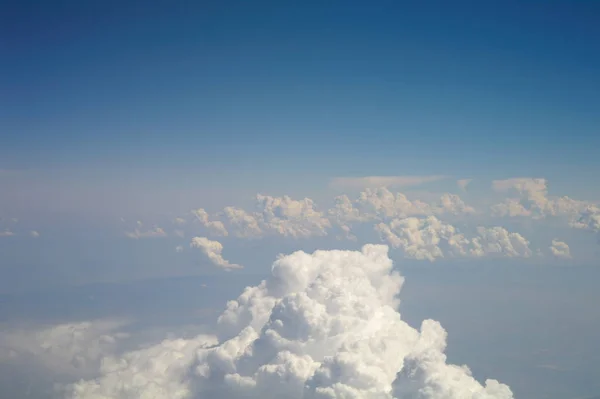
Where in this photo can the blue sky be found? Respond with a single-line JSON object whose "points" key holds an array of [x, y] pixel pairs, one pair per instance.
{"points": [[394, 88], [136, 136]]}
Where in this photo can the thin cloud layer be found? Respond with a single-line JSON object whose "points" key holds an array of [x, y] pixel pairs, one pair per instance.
{"points": [[141, 232], [323, 325], [383, 181]]}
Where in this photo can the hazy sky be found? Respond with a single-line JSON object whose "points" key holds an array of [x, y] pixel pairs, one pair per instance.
{"points": [[157, 157]]}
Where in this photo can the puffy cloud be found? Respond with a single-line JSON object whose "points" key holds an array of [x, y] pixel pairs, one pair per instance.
{"points": [[215, 227], [429, 239], [34, 234], [453, 204], [588, 219], [381, 203], [533, 201], [139, 232], [560, 249], [419, 238], [463, 183], [280, 216], [323, 325], [245, 225], [6, 233], [213, 251], [344, 211], [70, 349], [383, 181], [179, 248], [289, 217], [499, 241], [157, 372]]}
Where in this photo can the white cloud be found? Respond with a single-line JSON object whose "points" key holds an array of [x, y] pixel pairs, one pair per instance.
{"points": [[34, 233], [344, 211], [588, 219], [244, 224], [6, 233], [430, 239], [323, 325], [277, 216], [381, 204], [463, 183], [179, 248], [499, 241], [418, 238], [453, 204], [289, 217], [215, 227], [532, 200], [383, 181], [560, 249], [213, 250]]}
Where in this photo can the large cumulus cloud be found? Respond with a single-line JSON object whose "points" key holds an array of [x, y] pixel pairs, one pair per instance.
{"points": [[323, 325]]}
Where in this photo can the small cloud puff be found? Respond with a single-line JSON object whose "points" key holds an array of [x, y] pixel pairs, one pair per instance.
{"points": [[560, 249], [140, 232], [213, 250], [463, 183], [215, 227]]}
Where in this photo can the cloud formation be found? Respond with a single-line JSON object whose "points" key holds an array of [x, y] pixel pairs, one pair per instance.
{"points": [[463, 183], [215, 227], [213, 251], [430, 238], [323, 325], [69, 349], [387, 211], [139, 232], [532, 200], [560, 249], [289, 217], [383, 181]]}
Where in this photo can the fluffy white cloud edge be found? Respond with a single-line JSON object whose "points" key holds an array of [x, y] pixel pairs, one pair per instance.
{"points": [[323, 325]]}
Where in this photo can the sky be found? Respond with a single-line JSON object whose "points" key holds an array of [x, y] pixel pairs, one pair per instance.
{"points": [[158, 157]]}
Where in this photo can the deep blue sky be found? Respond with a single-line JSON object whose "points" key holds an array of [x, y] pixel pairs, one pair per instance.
{"points": [[337, 88]]}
